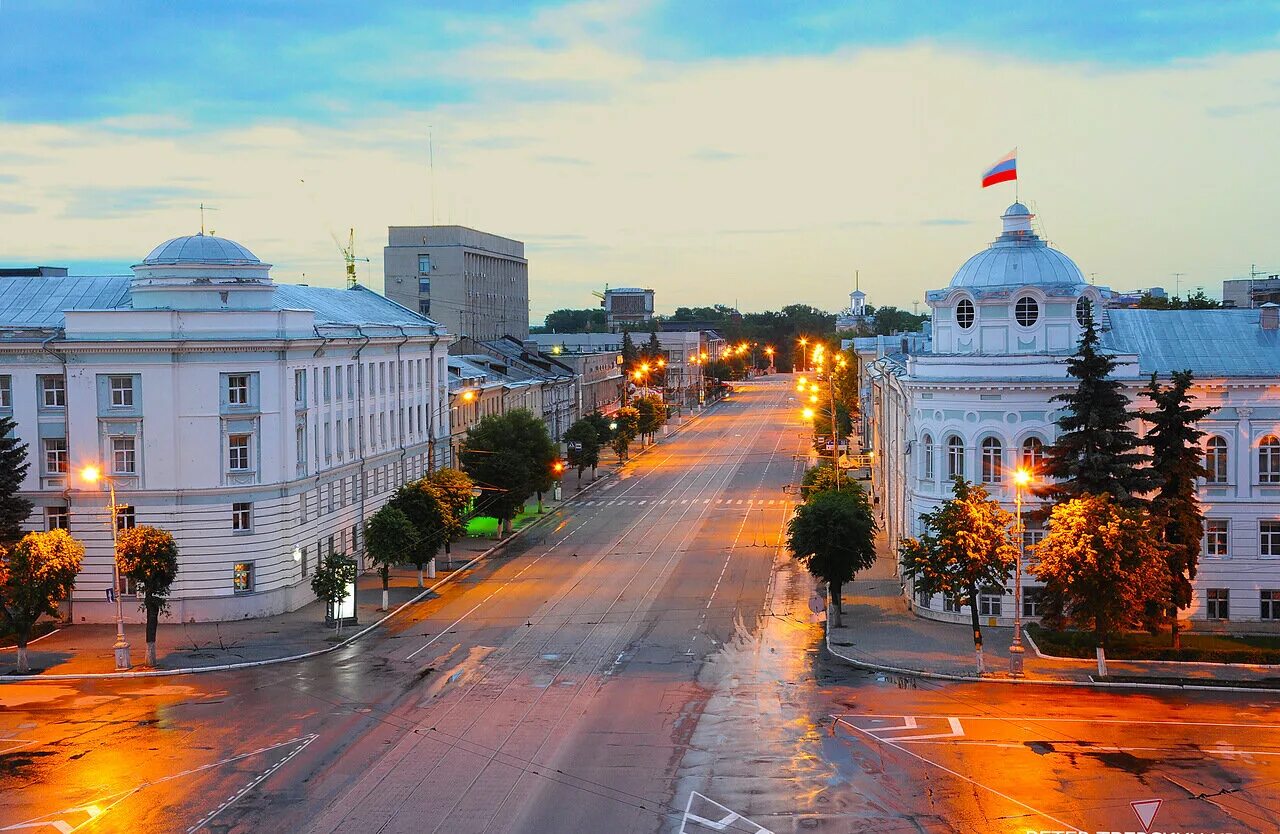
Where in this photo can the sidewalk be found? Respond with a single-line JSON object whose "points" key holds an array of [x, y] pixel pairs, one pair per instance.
{"points": [[881, 632]]}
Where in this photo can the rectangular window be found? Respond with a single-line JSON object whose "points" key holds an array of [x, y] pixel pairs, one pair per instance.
{"points": [[351, 434], [922, 599], [302, 557], [238, 453], [126, 517], [123, 456], [351, 381], [55, 455], [1032, 602], [6, 391], [53, 392], [300, 439], [57, 518], [337, 382], [1215, 537], [1219, 607], [1032, 535], [1270, 604], [242, 517], [126, 586], [328, 441], [1269, 538], [121, 391], [424, 264], [424, 307], [300, 386], [328, 377], [950, 604], [302, 508], [424, 284], [238, 389], [989, 604], [382, 377], [242, 577]]}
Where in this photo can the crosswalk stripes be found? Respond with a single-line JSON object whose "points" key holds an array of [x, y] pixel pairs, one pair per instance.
{"points": [[727, 502]]}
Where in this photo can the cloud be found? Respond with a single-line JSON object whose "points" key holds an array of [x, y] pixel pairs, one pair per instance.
{"points": [[712, 155], [11, 207], [945, 221], [112, 203]]}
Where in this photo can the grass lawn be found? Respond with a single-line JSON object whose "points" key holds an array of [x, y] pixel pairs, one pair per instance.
{"points": [[1212, 648], [485, 527]]}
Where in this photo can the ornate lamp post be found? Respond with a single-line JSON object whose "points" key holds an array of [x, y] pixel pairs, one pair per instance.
{"points": [[92, 475], [1021, 479]]}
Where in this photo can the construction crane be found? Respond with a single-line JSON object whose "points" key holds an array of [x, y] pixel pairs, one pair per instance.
{"points": [[349, 255], [600, 295]]}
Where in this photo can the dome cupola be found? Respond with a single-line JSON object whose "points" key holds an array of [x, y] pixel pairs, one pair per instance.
{"points": [[1018, 257], [201, 272]]}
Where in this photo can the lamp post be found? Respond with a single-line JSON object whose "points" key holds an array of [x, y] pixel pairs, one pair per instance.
{"points": [[92, 475], [804, 356], [1021, 478]]}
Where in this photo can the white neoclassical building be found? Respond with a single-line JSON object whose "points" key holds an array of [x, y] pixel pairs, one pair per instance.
{"points": [[978, 403], [258, 422]]}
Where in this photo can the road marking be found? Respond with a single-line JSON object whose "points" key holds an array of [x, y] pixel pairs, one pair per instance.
{"points": [[1039, 720], [253, 783], [17, 744], [945, 769], [728, 818]]}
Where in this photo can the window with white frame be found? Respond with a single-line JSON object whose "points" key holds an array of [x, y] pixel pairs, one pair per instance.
{"points": [[926, 454], [1216, 538], [1026, 311], [951, 604], [964, 314], [126, 517], [242, 517], [1269, 460], [989, 603], [124, 456], [1032, 602], [55, 455], [1269, 538], [337, 382], [922, 599], [1269, 608], [300, 440], [53, 391], [1032, 534], [955, 457], [1032, 454], [992, 461], [1215, 460], [237, 389], [300, 386], [238, 452], [6, 391], [242, 577], [1218, 605], [57, 518], [121, 391], [327, 375]]}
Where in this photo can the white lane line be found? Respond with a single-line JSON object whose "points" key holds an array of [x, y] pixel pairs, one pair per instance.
{"points": [[253, 783], [1040, 720], [958, 775]]}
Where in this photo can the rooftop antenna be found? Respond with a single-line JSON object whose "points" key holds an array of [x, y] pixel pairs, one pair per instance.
{"points": [[203, 209], [1177, 284]]}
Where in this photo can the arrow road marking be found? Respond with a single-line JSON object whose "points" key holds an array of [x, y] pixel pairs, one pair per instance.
{"points": [[909, 723], [721, 824], [60, 825]]}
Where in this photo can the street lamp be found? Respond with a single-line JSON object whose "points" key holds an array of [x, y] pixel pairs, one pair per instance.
{"points": [[1021, 480], [804, 357], [92, 475]]}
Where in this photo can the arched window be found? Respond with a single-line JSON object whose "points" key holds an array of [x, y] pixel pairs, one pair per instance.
{"points": [[1026, 311], [1215, 460], [1084, 310], [955, 457], [992, 461], [1032, 454], [926, 454], [1269, 460], [964, 314]]}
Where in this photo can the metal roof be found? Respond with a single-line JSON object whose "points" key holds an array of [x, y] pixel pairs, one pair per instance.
{"points": [[29, 303], [1209, 343], [201, 249], [1017, 257]]}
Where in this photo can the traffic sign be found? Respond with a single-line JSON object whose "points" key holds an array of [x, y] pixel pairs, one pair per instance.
{"points": [[1146, 810]]}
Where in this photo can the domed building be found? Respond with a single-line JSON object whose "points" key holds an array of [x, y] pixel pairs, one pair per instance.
{"points": [[978, 403], [260, 423]]}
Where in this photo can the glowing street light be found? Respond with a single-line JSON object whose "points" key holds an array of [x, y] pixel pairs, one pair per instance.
{"points": [[91, 475], [1021, 480], [808, 413]]}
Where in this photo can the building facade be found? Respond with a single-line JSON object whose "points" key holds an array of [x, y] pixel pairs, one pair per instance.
{"points": [[473, 283], [627, 308], [1251, 292], [260, 423], [978, 403]]}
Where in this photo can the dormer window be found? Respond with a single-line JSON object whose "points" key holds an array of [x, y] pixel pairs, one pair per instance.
{"points": [[964, 314], [1026, 311]]}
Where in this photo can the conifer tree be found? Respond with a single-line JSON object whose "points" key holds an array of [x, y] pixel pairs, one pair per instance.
{"points": [[14, 509], [1176, 461], [630, 355], [1096, 451]]}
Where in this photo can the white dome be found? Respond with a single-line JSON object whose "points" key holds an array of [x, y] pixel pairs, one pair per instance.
{"points": [[1018, 258], [200, 249]]}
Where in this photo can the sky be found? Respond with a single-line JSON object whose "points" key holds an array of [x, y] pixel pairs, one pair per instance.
{"points": [[740, 152]]}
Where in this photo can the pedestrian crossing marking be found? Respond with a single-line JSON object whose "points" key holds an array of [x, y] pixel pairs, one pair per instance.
{"points": [[703, 814]]}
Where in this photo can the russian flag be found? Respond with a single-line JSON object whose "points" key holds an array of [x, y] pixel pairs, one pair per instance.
{"points": [[1004, 170]]}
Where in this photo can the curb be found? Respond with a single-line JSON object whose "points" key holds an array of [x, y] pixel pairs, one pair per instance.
{"points": [[1091, 683], [228, 667]]}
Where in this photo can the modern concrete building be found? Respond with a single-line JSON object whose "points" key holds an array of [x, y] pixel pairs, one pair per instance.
{"points": [[473, 283], [260, 423], [628, 308], [977, 402], [1251, 292]]}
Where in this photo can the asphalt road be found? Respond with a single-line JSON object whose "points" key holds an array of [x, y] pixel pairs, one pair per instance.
{"points": [[645, 661]]}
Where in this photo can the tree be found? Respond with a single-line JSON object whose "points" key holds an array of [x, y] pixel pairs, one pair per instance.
{"points": [[821, 478], [833, 536], [14, 509], [389, 537], [1101, 565], [652, 414], [420, 503], [601, 424], [630, 355], [965, 547], [652, 353], [510, 454], [35, 574], [149, 556], [889, 320], [1096, 451], [453, 491], [329, 583], [591, 320], [844, 379], [583, 443], [627, 421], [1176, 461]]}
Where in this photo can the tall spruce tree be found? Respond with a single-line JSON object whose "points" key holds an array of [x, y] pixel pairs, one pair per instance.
{"points": [[14, 509], [1096, 451], [1177, 463], [630, 354]]}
